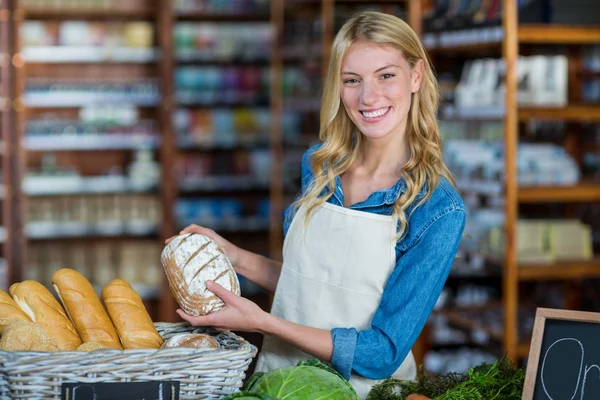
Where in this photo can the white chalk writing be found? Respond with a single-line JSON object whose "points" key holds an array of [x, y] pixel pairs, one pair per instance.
{"points": [[585, 371]]}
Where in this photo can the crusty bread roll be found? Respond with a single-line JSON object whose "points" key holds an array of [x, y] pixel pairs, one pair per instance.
{"points": [[43, 309], [195, 340], [129, 316], [84, 308], [91, 346], [10, 311], [26, 336], [189, 261]]}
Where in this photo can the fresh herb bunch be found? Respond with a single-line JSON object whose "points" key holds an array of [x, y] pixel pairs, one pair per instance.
{"points": [[498, 381]]}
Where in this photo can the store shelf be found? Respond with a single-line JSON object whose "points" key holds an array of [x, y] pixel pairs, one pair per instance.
{"points": [[235, 225], [574, 112], [479, 113], [73, 229], [48, 186], [563, 270], [583, 192], [558, 34], [189, 145], [88, 54], [87, 14], [67, 100], [223, 17], [455, 318], [100, 141], [222, 183]]}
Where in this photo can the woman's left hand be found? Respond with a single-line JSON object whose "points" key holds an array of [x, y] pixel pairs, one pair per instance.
{"points": [[239, 313]]}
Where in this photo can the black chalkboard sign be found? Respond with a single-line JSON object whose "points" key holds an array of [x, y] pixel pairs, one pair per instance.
{"points": [[158, 390], [564, 357]]}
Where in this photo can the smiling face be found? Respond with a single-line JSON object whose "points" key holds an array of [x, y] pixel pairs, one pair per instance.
{"points": [[376, 88]]}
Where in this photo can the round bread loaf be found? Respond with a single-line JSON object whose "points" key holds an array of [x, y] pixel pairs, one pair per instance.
{"points": [[189, 261], [195, 340], [26, 336]]}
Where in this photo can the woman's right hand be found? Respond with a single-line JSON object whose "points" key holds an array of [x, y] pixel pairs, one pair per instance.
{"points": [[231, 251]]}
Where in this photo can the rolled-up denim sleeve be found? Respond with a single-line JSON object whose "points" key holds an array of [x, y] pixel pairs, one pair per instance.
{"points": [[406, 303]]}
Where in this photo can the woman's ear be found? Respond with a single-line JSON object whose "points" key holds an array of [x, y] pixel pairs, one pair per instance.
{"points": [[416, 76]]}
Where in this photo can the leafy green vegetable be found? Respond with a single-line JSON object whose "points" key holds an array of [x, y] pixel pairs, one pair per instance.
{"points": [[307, 380], [244, 395], [498, 381]]}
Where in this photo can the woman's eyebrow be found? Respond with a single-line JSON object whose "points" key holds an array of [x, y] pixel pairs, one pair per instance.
{"points": [[378, 70]]}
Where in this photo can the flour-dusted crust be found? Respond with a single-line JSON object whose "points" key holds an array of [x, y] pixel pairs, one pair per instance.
{"points": [[195, 340], [189, 261]]}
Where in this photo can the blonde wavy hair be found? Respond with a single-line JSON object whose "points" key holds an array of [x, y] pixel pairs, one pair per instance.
{"points": [[341, 139]]}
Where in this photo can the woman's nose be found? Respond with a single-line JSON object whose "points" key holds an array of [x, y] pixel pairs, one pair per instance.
{"points": [[369, 94]]}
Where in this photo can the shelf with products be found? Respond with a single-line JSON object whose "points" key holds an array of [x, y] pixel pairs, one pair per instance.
{"points": [[543, 173], [90, 82], [222, 57]]}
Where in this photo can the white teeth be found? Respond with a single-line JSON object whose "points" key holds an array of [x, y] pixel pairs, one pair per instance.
{"points": [[377, 113]]}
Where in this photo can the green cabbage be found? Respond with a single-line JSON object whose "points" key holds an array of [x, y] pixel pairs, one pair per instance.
{"points": [[308, 380], [245, 395]]}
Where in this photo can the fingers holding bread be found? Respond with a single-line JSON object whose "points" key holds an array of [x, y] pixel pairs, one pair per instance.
{"points": [[129, 316], [84, 308], [42, 308], [10, 311]]}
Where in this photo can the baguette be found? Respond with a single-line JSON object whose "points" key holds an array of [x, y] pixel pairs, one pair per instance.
{"points": [[129, 316], [43, 309], [10, 311], [84, 308], [189, 261]]}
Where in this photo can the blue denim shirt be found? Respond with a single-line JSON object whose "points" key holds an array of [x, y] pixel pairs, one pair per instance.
{"points": [[424, 257]]}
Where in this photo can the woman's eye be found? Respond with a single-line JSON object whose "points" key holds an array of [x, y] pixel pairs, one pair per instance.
{"points": [[387, 76], [350, 81]]}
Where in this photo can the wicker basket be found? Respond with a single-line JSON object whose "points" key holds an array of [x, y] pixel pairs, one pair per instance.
{"points": [[202, 374]]}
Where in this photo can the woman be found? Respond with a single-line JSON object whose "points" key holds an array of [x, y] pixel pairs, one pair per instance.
{"points": [[371, 239]]}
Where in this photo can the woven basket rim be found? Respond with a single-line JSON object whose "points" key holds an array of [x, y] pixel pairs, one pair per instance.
{"points": [[244, 346]]}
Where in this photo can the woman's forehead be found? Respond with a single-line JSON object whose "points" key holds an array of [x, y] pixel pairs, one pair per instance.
{"points": [[364, 54]]}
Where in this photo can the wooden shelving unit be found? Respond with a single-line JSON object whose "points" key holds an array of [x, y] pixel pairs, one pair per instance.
{"points": [[512, 39], [586, 192], [514, 273], [562, 270]]}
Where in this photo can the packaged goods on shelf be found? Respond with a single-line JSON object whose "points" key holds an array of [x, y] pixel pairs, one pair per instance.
{"points": [[136, 261], [223, 6], [46, 92], [546, 241], [239, 170], [71, 4], [219, 127], [226, 42], [591, 81], [226, 214], [546, 164], [211, 86], [83, 41], [446, 361], [574, 12], [543, 81]]}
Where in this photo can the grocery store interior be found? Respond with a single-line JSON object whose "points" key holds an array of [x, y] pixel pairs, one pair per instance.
{"points": [[123, 121]]}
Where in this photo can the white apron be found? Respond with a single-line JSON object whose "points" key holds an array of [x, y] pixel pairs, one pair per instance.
{"points": [[333, 276]]}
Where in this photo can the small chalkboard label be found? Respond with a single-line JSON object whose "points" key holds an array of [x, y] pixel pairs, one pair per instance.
{"points": [[159, 390], [564, 357]]}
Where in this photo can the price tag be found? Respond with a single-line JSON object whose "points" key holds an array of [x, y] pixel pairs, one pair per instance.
{"points": [[159, 390]]}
